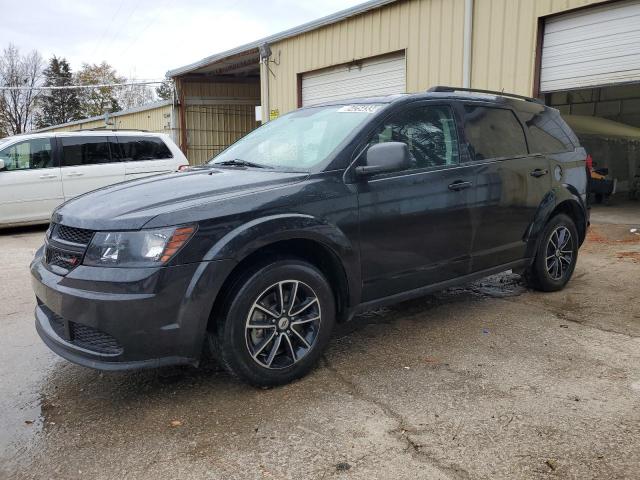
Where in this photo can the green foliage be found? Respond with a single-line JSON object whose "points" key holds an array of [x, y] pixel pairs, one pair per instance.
{"points": [[58, 106]]}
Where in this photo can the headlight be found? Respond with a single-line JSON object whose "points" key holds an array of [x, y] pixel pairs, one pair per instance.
{"points": [[145, 248]]}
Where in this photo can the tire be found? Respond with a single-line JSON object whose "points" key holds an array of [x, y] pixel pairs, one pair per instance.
{"points": [[259, 343], [551, 271]]}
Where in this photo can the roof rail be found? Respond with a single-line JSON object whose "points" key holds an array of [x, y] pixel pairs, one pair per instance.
{"points": [[103, 129], [441, 88]]}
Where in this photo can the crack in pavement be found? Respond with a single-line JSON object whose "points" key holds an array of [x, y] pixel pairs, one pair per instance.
{"points": [[402, 430]]}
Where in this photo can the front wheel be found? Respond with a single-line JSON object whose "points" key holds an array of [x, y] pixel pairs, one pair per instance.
{"points": [[556, 256], [275, 324]]}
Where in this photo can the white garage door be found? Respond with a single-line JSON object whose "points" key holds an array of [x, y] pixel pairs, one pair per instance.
{"points": [[592, 47], [368, 78]]}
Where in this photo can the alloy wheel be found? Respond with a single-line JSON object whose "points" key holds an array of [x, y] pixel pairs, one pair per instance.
{"points": [[283, 324], [559, 252]]}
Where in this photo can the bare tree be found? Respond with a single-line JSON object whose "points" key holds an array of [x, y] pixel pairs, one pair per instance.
{"points": [[133, 96], [24, 73]]}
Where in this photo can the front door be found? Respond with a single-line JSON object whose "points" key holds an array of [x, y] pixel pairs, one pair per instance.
{"points": [[511, 184], [415, 228], [30, 183]]}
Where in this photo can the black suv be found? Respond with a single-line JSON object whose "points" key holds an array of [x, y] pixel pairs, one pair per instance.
{"points": [[325, 212]]}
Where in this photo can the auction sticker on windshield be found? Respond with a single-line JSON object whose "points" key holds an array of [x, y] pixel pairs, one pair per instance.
{"points": [[359, 108]]}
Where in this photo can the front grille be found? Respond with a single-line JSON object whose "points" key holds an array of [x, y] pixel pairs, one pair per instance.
{"points": [[81, 335], [66, 246], [73, 235], [61, 258]]}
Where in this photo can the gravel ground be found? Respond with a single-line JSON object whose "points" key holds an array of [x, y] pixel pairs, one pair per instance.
{"points": [[490, 380]]}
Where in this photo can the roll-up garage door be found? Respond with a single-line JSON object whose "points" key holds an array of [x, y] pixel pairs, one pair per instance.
{"points": [[592, 47], [366, 78]]}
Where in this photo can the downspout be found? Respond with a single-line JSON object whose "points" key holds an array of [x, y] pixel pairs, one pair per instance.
{"points": [[265, 94], [468, 44], [265, 52]]}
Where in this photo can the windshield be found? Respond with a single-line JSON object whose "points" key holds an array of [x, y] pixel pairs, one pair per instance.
{"points": [[299, 140]]}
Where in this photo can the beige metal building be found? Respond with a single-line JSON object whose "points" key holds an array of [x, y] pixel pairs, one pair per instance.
{"points": [[582, 56], [154, 117]]}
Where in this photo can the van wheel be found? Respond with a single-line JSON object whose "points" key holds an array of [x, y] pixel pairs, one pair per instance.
{"points": [[556, 256], [275, 324]]}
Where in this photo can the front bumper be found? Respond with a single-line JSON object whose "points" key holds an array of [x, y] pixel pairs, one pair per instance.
{"points": [[122, 318]]}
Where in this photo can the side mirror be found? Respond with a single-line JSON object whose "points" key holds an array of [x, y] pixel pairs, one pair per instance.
{"points": [[1, 165], [386, 157]]}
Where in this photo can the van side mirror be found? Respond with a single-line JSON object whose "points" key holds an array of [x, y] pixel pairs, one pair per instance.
{"points": [[2, 166], [385, 157]]}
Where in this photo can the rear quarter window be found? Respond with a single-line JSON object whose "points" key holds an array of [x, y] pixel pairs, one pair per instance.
{"points": [[548, 133], [143, 148], [493, 133]]}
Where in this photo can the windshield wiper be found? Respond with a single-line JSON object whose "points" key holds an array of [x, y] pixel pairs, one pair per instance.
{"points": [[240, 163]]}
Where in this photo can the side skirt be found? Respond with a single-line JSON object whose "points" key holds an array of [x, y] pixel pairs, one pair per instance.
{"points": [[518, 265]]}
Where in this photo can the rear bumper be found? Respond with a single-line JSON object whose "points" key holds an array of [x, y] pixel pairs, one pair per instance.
{"points": [[121, 319]]}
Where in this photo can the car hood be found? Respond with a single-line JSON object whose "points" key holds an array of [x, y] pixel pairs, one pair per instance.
{"points": [[131, 205]]}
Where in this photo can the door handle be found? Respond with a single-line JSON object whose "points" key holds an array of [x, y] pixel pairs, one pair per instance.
{"points": [[459, 185], [538, 172], [75, 174], [48, 175]]}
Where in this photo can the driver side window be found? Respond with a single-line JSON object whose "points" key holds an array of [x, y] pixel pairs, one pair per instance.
{"points": [[28, 155], [429, 132]]}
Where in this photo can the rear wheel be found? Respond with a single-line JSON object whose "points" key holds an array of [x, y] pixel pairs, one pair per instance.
{"points": [[556, 256], [275, 324]]}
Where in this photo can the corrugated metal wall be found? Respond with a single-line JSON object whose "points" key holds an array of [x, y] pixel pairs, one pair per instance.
{"points": [[504, 41], [153, 120], [217, 114], [430, 31]]}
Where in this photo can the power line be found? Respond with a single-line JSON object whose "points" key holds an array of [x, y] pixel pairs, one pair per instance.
{"points": [[99, 44], [72, 87]]}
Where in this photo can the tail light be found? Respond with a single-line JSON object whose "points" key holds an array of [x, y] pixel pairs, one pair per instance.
{"points": [[183, 168], [589, 162]]}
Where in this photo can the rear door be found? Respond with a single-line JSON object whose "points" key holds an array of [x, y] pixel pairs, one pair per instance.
{"points": [[87, 164], [415, 227], [144, 156], [30, 183], [511, 184]]}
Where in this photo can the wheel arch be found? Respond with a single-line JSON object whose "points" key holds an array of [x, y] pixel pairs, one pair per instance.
{"points": [[290, 236], [567, 201]]}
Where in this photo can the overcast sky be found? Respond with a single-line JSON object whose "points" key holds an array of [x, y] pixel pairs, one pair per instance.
{"points": [[145, 38]]}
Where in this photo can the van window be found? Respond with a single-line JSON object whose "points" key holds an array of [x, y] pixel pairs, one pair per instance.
{"points": [[547, 136], [78, 151], [429, 132], [30, 154], [493, 133], [143, 148]]}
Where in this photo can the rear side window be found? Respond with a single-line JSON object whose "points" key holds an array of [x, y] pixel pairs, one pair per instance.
{"points": [[85, 151], [28, 155], [143, 148], [493, 133], [547, 134]]}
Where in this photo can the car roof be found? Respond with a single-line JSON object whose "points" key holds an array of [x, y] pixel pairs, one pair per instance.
{"points": [[85, 133], [448, 95]]}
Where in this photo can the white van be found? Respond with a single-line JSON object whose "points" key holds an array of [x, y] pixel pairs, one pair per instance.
{"points": [[39, 171]]}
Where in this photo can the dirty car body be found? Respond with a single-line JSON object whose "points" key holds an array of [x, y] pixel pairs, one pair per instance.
{"points": [[404, 199]]}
